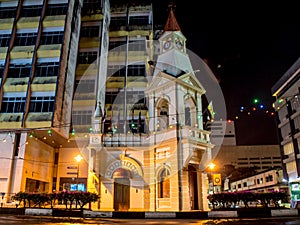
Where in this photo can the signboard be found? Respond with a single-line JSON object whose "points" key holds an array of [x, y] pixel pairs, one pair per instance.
{"points": [[217, 179]]}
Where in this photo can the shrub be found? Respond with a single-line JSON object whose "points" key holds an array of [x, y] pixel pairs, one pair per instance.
{"points": [[227, 199], [65, 197]]}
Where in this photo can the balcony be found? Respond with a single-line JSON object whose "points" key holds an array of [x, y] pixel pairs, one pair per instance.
{"points": [[38, 119], [6, 24], [54, 21], [89, 42], [115, 82], [81, 101], [3, 53], [92, 17], [87, 70], [197, 139], [117, 56], [49, 51], [84, 96], [28, 22], [44, 84], [16, 84], [133, 33], [11, 120], [22, 52]]}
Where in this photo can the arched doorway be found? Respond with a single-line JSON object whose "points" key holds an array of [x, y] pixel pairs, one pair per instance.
{"points": [[121, 178]]}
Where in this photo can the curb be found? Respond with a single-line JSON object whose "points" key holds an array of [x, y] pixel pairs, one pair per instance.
{"points": [[245, 213]]}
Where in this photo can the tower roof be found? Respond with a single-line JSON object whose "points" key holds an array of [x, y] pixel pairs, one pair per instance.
{"points": [[172, 24]]}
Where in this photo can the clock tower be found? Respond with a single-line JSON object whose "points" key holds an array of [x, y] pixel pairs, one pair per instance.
{"points": [[173, 57], [182, 146]]}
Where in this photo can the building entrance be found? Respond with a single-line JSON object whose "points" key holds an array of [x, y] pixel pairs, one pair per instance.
{"points": [[121, 189]]}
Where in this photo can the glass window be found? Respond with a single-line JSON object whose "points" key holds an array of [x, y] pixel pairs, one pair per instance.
{"points": [[1, 70], [115, 44], [13, 104], [118, 21], [89, 31], [18, 71], [91, 7], [41, 104], [87, 57], [82, 117], [187, 114], [139, 20], [85, 86], [116, 70], [52, 38], [31, 11], [25, 39], [4, 40], [56, 9], [47, 69], [7, 12], [137, 46], [136, 70]]}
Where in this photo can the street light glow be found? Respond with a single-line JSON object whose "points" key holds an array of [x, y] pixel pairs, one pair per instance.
{"points": [[78, 158], [211, 166]]}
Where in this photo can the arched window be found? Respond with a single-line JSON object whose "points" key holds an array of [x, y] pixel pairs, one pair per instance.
{"points": [[163, 120], [164, 184], [187, 114]]}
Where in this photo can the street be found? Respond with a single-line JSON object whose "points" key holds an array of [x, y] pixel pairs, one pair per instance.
{"points": [[13, 219]]}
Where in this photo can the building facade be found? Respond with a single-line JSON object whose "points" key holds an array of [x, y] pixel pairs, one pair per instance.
{"points": [[268, 181], [286, 93], [38, 45], [82, 78]]}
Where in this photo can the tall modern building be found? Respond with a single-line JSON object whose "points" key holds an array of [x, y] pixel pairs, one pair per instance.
{"points": [[287, 106], [86, 78]]}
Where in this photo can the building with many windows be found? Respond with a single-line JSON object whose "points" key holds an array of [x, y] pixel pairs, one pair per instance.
{"points": [[286, 92], [37, 62], [75, 80]]}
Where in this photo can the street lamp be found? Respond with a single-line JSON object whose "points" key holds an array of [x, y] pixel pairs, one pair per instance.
{"points": [[78, 158]]}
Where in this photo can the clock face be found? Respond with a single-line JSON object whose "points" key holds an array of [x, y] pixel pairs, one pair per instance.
{"points": [[167, 45], [179, 44]]}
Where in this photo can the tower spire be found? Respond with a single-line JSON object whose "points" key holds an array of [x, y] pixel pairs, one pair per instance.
{"points": [[172, 24]]}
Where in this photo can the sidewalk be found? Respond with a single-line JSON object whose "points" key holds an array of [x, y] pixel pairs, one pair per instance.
{"points": [[238, 213]]}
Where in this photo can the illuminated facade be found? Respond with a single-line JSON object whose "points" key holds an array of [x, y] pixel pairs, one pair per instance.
{"points": [[76, 81], [39, 41], [286, 92]]}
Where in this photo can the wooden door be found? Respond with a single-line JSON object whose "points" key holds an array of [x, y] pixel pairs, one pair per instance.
{"points": [[121, 194]]}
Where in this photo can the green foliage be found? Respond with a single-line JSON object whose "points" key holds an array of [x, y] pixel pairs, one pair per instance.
{"points": [[67, 198], [21, 198], [231, 199]]}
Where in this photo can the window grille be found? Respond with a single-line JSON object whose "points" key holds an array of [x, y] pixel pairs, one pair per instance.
{"points": [[56, 9], [41, 104], [89, 31], [4, 40], [18, 71], [87, 57], [47, 69], [82, 117], [25, 39], [55, 37], [31, 11], [13, 104], [8, 12]]}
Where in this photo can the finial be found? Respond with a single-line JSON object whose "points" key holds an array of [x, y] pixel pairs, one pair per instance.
{"points": [[171, 24], [172, 6]]}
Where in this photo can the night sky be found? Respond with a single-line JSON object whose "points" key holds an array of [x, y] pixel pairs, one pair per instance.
{"points": [[248, 47]]}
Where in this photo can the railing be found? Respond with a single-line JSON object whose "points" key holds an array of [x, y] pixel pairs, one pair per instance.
{"points": [[136, 139]]}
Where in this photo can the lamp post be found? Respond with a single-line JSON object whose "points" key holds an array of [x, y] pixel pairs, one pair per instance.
{"points": [[78, 158], [211, 166]]}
